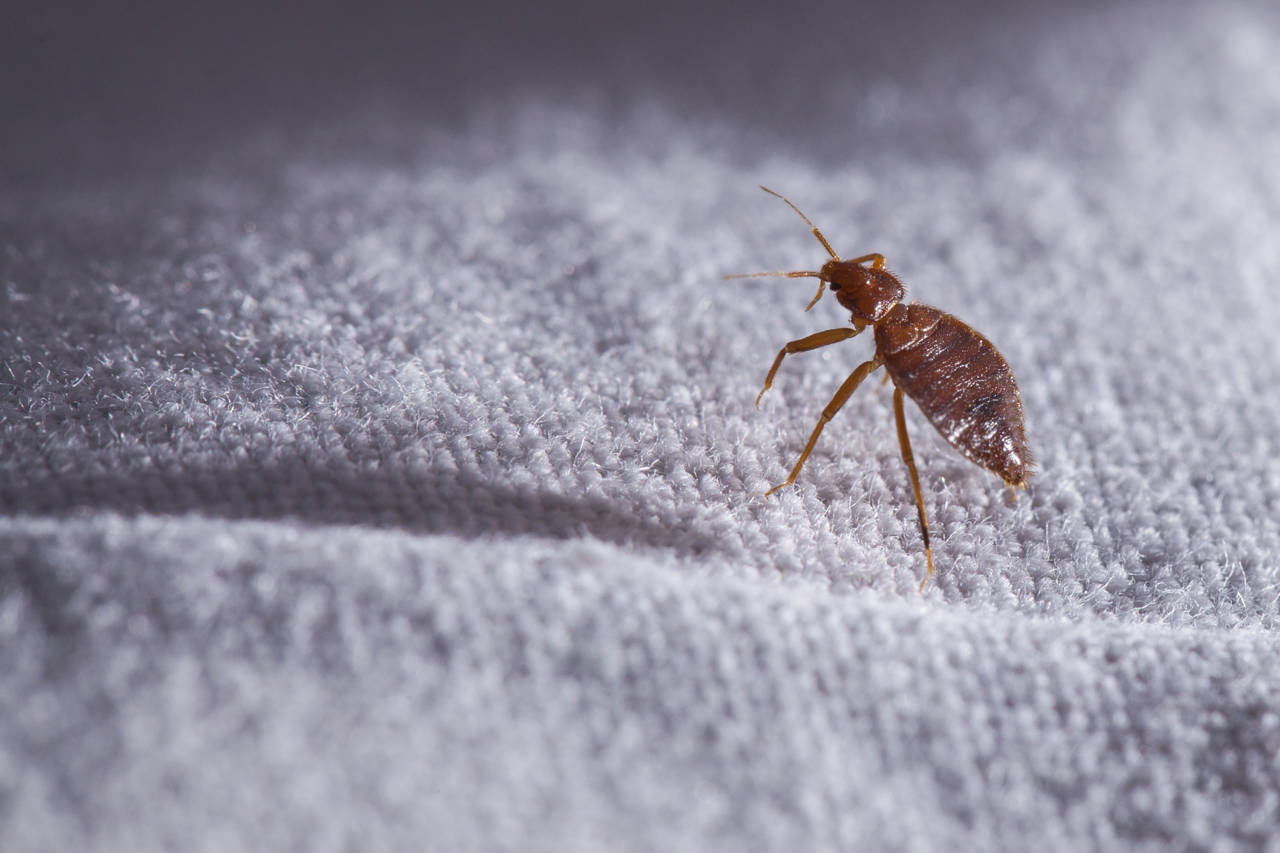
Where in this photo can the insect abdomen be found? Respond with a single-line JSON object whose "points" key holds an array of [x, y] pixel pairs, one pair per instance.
{"points": [[961, 383]]}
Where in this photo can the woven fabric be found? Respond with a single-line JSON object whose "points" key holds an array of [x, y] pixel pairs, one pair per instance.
{"points": [[384, 474]]}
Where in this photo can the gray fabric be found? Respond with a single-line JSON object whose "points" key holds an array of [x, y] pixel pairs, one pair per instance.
{"points": [[384, 474]]}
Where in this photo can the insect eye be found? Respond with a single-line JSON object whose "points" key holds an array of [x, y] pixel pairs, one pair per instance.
{"points": [[835, 286]]}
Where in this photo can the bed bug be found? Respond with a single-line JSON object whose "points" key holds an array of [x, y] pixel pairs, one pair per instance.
{"points": [[958, 379]]}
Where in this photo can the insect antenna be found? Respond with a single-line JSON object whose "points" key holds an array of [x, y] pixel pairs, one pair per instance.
{"points": [[796, 274], [779, 273], [799, 273], [812, 227]]}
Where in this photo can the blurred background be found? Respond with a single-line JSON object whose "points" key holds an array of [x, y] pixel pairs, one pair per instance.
{"points": [[378, 459], [141, 85]]}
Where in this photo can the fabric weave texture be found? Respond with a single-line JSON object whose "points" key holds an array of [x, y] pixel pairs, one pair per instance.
{"points": [[382, 473]]}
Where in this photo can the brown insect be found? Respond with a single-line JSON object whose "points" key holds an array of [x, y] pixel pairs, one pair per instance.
{"points": [[957, 378]]}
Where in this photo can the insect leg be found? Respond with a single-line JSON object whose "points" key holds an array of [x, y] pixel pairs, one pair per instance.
{"points": [[883, 382], [877, 260], [905, 444], [814, 341], [841, 397]]}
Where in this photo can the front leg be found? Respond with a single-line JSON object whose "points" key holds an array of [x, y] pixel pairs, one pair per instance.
{"points": [[814, 341]]}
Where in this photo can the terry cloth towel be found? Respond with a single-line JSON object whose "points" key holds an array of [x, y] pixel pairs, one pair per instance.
{"points": [[379, 468]]}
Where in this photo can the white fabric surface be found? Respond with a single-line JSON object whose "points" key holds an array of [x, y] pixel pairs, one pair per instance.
{"points": [[383, 477]]}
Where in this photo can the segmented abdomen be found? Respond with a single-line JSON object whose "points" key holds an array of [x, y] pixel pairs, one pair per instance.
{"points": [[961, 383]]}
